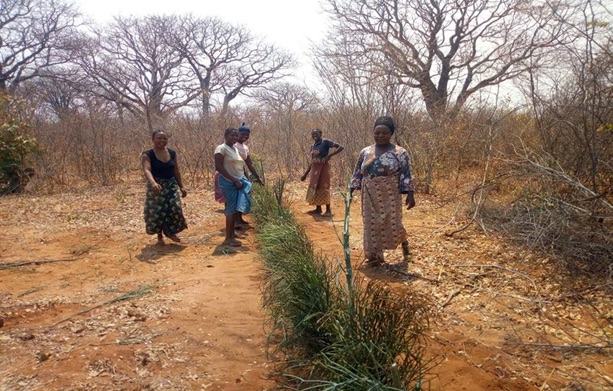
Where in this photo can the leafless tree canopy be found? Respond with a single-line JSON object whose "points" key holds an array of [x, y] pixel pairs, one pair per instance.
{"points": [[131, 64], [449, 49], [35, 35]]}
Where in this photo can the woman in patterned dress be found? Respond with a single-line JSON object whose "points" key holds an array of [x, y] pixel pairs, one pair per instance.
{"points": [[318, 193], [383, 174], [163, 210]]}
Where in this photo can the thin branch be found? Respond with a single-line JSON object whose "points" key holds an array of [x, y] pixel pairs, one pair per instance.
{"points": [[8, 265]]}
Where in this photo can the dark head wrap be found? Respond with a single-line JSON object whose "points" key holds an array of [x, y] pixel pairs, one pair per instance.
{"points": [[244, 128], [228, 131], [386, 121]]}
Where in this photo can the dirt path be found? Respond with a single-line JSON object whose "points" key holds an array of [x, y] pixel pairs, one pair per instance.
{"points": [[199, 327], [187, 316]]}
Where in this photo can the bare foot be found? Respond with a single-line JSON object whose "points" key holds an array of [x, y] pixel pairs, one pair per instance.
{"points": [[174, 238], [327, 214], [313, 212], [374, 262], [160, 242], [406, 251]]}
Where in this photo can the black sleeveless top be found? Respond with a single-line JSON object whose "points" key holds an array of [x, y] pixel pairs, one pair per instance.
{"points": [[159, 169]]}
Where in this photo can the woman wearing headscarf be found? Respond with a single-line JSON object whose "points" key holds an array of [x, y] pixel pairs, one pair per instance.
{"points": [[232, 182], [318, 193], [383, 174], [163, 211], [244, 133]]}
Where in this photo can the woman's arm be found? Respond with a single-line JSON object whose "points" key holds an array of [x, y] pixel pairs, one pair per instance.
{"points": [[145, 164], [177, 173], [303, 177], [337, 149], [219, 158], [252, 169], [357, 176], [406, 179]]}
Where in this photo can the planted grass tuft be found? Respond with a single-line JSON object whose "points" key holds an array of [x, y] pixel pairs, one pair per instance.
{"points": [[335, 333]]}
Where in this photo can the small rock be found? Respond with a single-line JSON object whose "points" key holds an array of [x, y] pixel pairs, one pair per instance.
{"points": [[26, 336]]}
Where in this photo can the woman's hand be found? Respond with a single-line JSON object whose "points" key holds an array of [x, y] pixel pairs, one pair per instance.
{"points": [[238, 184], [156, 187], [183, 193], [410, 202], [302, 178]]}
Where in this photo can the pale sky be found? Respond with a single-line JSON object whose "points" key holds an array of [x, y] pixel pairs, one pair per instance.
{"points": [[289, 24]]}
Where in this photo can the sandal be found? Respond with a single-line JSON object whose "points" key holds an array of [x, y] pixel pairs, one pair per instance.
{"points": [[232, 243]]}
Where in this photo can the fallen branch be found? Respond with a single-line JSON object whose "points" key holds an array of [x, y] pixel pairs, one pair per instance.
{"points": [[7, 265], [450, 297], [136, 293], [411, 275], [554, 346]]}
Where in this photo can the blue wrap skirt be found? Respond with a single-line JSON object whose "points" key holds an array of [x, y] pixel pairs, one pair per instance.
{"points": [[236, 200]]}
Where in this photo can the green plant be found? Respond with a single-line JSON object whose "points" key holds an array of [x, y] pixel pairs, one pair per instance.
{"points": [[15, 145], [336, 334]]}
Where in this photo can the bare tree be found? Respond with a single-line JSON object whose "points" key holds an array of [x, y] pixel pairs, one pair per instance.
{"points": [[450, 49], [57, 94], [287, 107], [227, 60], [130, 63], [34, 35], [358, 92], [210, 46]]}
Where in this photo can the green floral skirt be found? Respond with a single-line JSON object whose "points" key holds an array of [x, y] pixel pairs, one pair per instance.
{"points": [[163, 211]]}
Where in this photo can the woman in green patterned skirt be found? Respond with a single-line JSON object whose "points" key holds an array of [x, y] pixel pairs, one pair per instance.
{"points": [[163, 211]]}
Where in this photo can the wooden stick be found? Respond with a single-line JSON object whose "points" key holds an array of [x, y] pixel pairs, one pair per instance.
{"points": [[138, 292], [6, 265]]}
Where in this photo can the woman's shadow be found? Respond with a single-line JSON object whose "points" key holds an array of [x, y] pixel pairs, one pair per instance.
{"points": [[153, 252], [224, 249]]}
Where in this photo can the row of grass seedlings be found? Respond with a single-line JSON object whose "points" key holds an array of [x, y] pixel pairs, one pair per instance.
{"points": [[380, 341], [377, 337], [268, 206], [350, 335], [297, 291]]}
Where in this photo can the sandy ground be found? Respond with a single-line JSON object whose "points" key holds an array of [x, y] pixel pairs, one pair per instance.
{"points": [[95, 304]]}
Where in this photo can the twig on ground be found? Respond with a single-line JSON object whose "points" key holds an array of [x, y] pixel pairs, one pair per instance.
{"points": [[569, 347], [7, 265], [136, 293], [412, 275], [450, 297]]}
